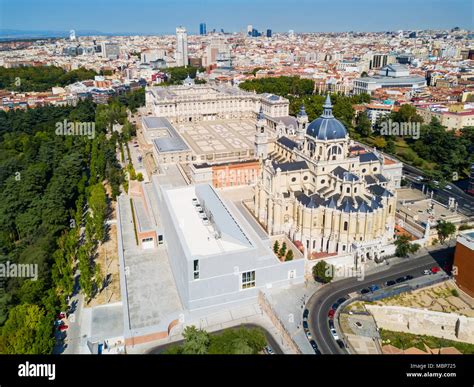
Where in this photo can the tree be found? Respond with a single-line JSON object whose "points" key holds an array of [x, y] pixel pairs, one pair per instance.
{"points": [[406, 113], [85, 280], [289, 255], [139, 176], [98, 208], [238, 341], [40, 78], [379, 142], [445, 230], [241, 347], [26, 331], [196, 341], [276, 247], [363, 125], [323, 272], [98, 277], [282, 251], [404, 247]]}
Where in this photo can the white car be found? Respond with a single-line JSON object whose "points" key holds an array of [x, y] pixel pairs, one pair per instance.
{"points": [[309, 336], [334, 334], [449, 187], [427, 272]]}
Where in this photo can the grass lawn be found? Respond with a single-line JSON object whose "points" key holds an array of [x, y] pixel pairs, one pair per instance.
{"points": [[406, 340]]}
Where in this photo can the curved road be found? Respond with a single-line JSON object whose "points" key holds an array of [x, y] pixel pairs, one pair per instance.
{"points": [[320, 303]]}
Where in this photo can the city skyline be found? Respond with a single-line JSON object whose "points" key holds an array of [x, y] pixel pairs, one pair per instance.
{"points": [[143, 16]]}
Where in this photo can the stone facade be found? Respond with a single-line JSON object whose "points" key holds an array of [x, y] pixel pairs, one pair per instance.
{"points": [[313, 190], [449, 326], [194, 103]]}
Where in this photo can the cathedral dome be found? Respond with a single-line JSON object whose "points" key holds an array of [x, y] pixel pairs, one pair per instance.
{"points": [[326, 127]]}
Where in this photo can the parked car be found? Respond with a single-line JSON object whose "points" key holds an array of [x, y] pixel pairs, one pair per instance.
{"points": [[305, 325], [269, 350], [61, 315], [340, 343], [308, 335], [448, 186], [435, 269], [365, 291], [342, 300], [305, 314], [335, 306], [63, 327], [331, 324], [408, 277], [390, 283], [315, 347], [334, 334], [205, 221], [399, 280], [373, 288], [427, 272], [331, 313]]}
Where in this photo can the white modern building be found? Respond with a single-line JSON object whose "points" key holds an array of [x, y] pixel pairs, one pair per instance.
{"points": [[216, 257], [391, 76]]}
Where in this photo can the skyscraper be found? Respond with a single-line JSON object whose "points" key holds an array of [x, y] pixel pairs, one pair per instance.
{"points": [[249, 29], [202, 29], [181, 47], [269, 33]]}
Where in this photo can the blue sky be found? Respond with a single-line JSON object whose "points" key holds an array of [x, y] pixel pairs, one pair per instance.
{"points": [[158, 16]]}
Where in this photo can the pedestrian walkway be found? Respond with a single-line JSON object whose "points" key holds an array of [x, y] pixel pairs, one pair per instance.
{"points": [[288, 305]]}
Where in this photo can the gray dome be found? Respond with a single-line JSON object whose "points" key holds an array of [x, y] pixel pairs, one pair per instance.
{"points": [[326, 127]]}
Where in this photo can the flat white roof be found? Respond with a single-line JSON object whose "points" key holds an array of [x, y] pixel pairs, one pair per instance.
{"points": [[200, 239]]}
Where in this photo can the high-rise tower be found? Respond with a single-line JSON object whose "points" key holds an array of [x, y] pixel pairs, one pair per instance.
{"points": [[181, 47]]}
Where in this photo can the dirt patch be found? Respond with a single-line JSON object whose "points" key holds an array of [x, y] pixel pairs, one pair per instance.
{"points": [[440, 298], [107, 258]]}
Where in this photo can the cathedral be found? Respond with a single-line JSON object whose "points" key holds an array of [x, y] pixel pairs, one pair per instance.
{"points": [[316, 189]]}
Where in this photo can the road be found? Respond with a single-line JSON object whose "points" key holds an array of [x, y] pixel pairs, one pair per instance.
{"points": [[320, 303], [465, 201], [270, 340]]}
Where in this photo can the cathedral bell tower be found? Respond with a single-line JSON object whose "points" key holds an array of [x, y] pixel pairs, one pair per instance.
{"points": [[261, 136], [302, 119]]}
